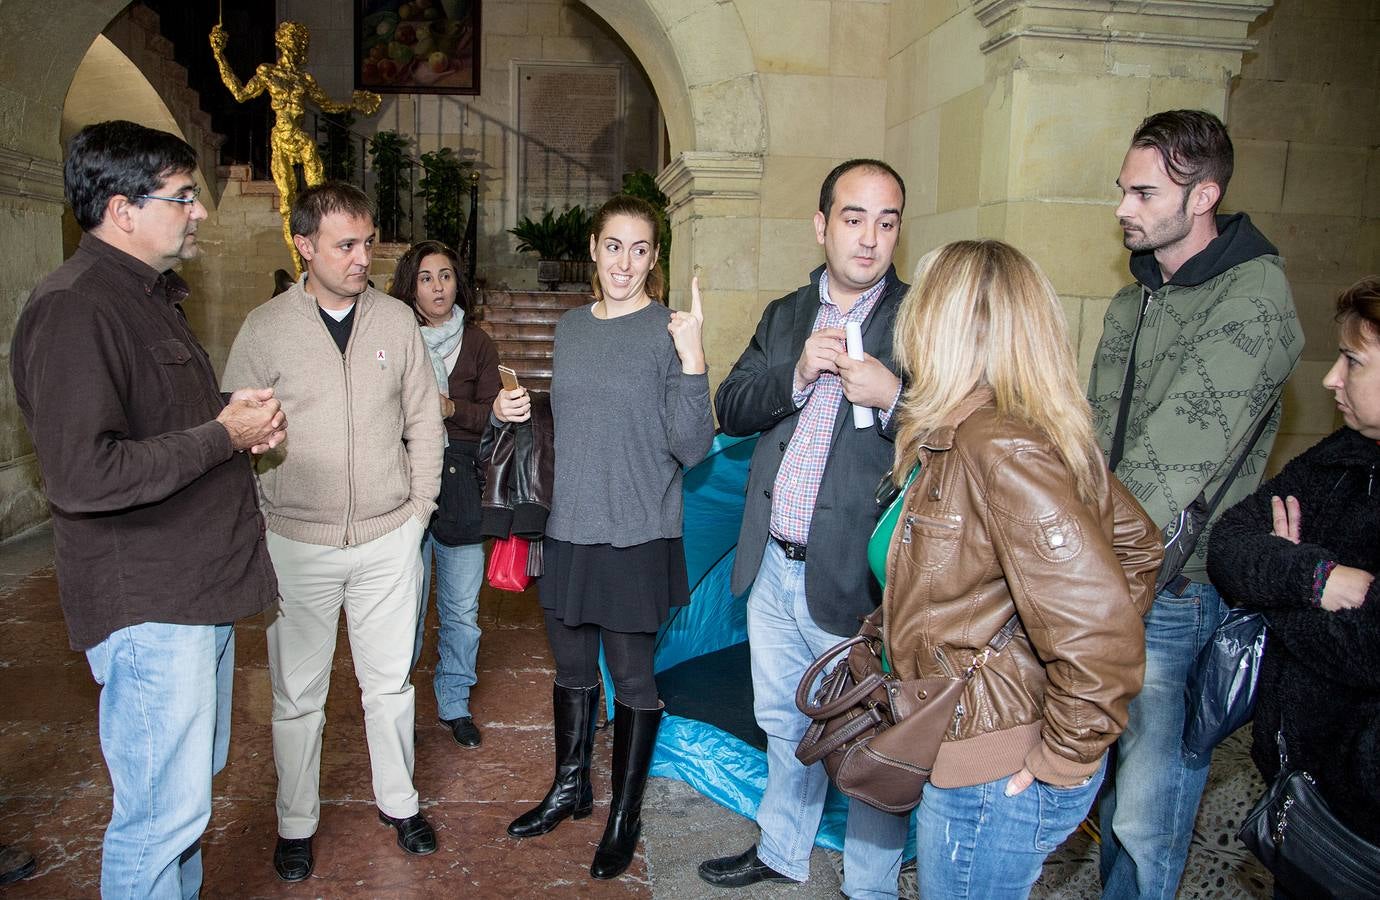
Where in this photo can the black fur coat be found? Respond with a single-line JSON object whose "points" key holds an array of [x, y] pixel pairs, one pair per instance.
{"points": [[1321, 673]]}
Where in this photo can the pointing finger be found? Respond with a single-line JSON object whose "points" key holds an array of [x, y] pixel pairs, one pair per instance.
{"points": [[696, 306]]}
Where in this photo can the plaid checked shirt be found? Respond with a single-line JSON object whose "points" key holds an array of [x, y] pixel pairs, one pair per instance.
{"points": [[802, 469]]}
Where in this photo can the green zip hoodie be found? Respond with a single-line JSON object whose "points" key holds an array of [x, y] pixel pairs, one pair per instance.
{"points": [[1216, 344]]}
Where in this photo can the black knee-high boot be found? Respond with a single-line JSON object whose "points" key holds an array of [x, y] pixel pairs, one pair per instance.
{"points": [[634, 738], [575, 711]]}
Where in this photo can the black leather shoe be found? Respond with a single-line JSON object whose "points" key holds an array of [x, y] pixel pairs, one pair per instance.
{"points": [[414, 833], [741, 870], [293, 859], [463, 730], [16, 864]]}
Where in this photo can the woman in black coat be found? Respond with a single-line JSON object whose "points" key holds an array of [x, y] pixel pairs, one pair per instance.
{"points": [[1303, 549]]}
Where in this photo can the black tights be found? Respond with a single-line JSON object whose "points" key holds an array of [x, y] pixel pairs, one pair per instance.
{"points": [[629, 657]]}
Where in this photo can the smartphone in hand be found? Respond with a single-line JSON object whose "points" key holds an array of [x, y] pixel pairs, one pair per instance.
{"points": [[509, 378]]}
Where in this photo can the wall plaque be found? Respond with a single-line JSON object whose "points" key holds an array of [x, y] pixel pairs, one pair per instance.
{"points": [[570, 135]]}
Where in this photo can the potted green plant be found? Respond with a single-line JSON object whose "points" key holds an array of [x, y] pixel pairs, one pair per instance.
{"points": [[443, 190], [561, 244], [392, 181]]}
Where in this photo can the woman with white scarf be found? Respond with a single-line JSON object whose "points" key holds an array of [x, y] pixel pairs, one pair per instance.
{"points": [[466, 365]]}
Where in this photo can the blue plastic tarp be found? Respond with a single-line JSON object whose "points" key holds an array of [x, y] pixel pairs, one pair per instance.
{"points": [[719, 765]]}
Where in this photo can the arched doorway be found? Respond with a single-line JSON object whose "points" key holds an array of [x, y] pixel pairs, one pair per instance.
{"points": [[697, 55]]}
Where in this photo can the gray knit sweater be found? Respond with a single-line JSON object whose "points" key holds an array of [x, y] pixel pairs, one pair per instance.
{"points": [[627, 419]]}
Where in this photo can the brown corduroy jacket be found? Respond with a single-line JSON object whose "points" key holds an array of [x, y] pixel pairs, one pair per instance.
{"points": [[154, 515]]}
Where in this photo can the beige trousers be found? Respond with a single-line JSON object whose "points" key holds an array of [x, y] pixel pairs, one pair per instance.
{"points": [[376, 583]]}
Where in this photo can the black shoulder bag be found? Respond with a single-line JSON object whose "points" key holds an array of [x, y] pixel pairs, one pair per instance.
{"points": [[1309, 851]]}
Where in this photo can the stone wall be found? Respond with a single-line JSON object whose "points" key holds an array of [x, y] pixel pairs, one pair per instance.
{"points": [[31, 229], [1010, 119], [937, 93], [1303, 118], [824, 84], [241, 244], [483, 127]]}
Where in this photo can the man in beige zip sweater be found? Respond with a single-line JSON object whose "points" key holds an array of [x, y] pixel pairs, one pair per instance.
{"points": [[347, 498]]}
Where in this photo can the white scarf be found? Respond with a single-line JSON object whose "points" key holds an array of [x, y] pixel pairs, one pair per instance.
{"points": [[441, 341]]}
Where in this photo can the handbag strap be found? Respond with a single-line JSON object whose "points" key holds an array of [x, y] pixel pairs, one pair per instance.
{"points": [[848, 699], [1128, 382], [996, 645], [869, 632], [1241, 458]]}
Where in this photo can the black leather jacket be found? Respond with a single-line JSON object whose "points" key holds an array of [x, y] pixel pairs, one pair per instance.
{"points": [[518, 464]]}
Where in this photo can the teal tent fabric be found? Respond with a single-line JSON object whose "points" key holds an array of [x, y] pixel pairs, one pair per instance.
{"points": [[718, 764]]}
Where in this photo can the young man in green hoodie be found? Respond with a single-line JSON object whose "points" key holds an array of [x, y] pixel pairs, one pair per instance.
{"points": [[1193, 356]]}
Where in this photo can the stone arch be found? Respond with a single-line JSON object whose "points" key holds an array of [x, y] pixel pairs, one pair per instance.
{"points": [[697, 55], [701, 65], [42, 54]]}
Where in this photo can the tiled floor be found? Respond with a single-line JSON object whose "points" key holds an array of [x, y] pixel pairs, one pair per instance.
{"points": [[55, 793]]}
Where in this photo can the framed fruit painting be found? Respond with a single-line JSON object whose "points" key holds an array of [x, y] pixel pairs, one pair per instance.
{"points": [[417, 46]]}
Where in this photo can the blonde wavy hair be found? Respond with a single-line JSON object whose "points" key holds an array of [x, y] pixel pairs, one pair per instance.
{"points": [[981, 313]]}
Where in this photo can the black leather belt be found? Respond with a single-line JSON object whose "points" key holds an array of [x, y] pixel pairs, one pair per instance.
{"points": [[792, 551]]}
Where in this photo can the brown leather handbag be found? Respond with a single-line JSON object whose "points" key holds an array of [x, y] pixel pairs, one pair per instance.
{"points": [[878, 735]]}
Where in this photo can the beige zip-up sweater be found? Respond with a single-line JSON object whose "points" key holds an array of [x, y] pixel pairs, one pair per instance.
{"points": [[364, 431]]}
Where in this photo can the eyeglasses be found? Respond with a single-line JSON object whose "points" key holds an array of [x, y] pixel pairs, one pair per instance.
{"points": [[195, 196]]}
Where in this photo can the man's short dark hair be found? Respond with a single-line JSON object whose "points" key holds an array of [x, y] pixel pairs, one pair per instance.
{"points": [[826, 191], [315, 203], [119, 158], [1194, 145]]}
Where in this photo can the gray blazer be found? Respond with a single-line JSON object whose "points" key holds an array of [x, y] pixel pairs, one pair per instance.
{"points": [[756, 397]]}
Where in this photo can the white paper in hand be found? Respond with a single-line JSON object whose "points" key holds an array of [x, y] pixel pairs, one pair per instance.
{"points": [[862, 415]]}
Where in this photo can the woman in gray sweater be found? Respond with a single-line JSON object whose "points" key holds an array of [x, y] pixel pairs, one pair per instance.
{"points": [[630, 399]]}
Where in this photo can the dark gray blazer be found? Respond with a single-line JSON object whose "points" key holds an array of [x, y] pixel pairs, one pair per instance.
{"points": [[756, 397]]}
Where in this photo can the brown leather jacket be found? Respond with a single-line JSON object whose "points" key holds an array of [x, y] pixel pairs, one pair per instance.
{"points": [[993, 526]]}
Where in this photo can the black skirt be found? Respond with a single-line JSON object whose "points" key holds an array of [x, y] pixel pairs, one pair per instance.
{"points": [[627, 589]]}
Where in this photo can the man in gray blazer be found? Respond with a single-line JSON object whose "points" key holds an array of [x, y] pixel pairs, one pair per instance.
{"points": [[810, 509]]}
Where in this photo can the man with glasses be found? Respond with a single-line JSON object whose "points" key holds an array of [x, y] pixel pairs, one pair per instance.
{"points": [[156, 524]]}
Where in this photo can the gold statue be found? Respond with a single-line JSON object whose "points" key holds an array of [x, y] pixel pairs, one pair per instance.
{"points": [[289, 87]]}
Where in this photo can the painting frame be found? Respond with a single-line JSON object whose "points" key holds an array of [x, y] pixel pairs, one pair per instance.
{"points": [[418, 46]]}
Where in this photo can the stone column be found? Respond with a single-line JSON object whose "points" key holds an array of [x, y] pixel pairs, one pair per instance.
{"points": [[1067, 81], [31, 221], [715, 207]]}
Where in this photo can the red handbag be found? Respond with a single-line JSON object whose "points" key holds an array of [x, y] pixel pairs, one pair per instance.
{"points": [[508, 564]]}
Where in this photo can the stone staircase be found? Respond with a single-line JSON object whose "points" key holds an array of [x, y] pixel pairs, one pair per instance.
{"points": [[136, 33], [523, 326]]}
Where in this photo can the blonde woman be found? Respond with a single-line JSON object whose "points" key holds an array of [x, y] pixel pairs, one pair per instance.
{"points": [[1012, 514]]}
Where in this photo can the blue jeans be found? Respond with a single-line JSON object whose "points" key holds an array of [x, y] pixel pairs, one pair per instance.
{"points": [[976, 842], [165, 730], [459, 576], [1147, 813], [784, 640]]}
